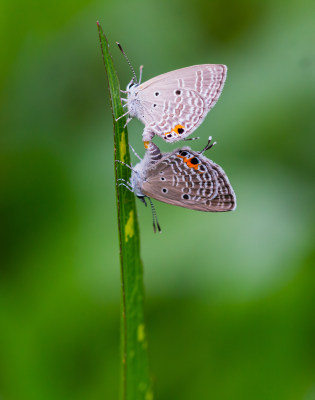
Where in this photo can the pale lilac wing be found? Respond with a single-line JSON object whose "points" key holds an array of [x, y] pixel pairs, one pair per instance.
{"points": [[187, 179], [177, 102]]}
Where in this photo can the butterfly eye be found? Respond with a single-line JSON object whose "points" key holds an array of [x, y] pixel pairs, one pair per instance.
{"points": [[130, 85]]}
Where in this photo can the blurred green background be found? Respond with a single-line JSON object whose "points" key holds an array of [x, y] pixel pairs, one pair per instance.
{"points": [[229, 297]]}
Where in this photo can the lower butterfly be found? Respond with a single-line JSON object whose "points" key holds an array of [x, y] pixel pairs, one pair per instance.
{"points": [[184, 178]]}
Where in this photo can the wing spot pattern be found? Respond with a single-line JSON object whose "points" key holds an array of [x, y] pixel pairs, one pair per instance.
{"points": [[199, 81]]}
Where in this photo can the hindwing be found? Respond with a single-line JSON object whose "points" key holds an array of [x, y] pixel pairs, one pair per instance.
{"points": [[187, 179], [175, 104]]}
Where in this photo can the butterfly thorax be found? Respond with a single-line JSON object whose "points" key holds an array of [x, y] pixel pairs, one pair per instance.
{"points": [[138, 176], [135, 107]]}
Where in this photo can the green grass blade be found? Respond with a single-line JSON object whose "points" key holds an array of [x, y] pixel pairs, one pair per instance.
{"points": [[135, 380]]}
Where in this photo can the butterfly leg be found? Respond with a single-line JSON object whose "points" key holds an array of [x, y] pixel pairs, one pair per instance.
{"points": [[127, 122], [123, 115], [123, 180], [121, 162], [128, 187], [140, 76], [122, 99], [193, 138], [142, 198], [135, 153]]}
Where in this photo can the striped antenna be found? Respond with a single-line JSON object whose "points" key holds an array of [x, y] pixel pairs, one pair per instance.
{"points": [[154, 217], [129, 63]]}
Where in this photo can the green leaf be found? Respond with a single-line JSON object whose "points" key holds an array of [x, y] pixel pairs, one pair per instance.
{"points": [[135, 377]]}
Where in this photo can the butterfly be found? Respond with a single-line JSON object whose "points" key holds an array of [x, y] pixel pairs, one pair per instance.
{"points": [[174, 104], [184, 178]]}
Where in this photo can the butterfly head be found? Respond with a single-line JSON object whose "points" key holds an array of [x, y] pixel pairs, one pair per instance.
{"points": [[132, 85], [135, 107], [138, 176]]}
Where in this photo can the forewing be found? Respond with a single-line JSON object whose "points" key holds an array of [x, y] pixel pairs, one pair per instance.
{"points": [[204, 186], [177, 102]]}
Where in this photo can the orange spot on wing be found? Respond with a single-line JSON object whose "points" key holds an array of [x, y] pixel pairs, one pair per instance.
{"points": [[146, 144], [178, 127], [175, 129], [190, 165]]}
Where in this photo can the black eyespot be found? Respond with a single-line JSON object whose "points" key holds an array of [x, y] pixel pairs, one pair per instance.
{"points": [[154, 105], [178, 92], [162, 178], [194, 161], [185, 196], [180, 130], [156, 94], [202, 168], [169, 135], [183, 153], [164, 190]]}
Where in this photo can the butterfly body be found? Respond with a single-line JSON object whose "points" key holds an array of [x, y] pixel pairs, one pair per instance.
{"points": [[174, 104]]}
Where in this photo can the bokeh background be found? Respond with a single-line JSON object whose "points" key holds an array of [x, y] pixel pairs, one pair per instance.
{"points": [[229, 297]]}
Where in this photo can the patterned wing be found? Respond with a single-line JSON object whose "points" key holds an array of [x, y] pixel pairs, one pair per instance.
{"points": [[187, 179], [177, 102]]}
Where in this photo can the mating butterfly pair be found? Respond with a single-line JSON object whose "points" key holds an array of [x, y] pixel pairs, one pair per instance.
{"points": [[172, 106]]}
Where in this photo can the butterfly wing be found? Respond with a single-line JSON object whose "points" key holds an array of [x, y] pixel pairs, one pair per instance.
{"points": [[177, 102], [187, 179]]}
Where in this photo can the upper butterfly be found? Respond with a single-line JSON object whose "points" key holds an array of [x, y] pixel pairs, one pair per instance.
{"points": [[174, 104]]}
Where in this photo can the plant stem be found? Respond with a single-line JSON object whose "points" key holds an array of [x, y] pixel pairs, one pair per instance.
{"points": [[135, 377]]}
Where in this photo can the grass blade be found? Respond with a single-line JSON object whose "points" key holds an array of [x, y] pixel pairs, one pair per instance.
{"points": [[135, 377]]}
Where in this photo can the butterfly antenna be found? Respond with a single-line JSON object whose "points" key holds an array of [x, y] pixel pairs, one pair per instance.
{"points": [[209, 145], [154, 217], [129, 63]]}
